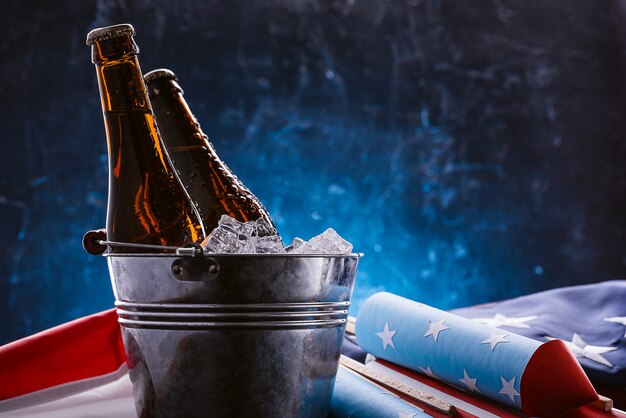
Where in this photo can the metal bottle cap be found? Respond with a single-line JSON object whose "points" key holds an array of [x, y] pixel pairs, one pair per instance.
{"points": [[158, 74], [109, 32]]}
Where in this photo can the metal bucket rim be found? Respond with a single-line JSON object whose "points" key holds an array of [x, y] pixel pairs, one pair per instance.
{"points": [[226, 255]]}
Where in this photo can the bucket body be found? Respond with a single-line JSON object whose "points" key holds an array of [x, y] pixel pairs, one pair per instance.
{"points": [[232, 335]]}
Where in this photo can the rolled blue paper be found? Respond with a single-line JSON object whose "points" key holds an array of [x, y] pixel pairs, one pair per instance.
{"points": [[465, 353], [356, 397]]}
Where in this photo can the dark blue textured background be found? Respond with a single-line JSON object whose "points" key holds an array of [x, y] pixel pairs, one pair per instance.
{"points": [[473, 150]]}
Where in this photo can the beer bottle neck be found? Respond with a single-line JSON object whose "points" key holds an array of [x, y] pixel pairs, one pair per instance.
{"points": [[122, 88], [180, 128], [113, 48], [161, 86], [168, 95]]}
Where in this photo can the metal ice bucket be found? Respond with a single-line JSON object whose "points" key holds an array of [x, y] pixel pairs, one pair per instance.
{"points": [[232, 335]]}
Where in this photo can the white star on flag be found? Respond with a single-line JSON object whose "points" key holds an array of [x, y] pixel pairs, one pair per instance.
{"points": [[508, 388], [428, 372], [387, 336], [580, 348], [469, 382], [500, 320], [617, 320], [434, 328], [495, 339], [403, 415]]}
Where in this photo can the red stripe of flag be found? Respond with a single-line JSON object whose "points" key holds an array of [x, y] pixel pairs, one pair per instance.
{"points": [[80, 349]]}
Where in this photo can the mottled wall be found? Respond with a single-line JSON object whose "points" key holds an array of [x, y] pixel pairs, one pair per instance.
{"points": [[473, 150]]}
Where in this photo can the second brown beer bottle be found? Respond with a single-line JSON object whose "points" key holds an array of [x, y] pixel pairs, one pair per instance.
{"points": [[146, 204], [213, 188]]}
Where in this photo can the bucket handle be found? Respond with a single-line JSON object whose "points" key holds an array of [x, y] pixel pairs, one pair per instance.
{"points": [[95, 242]]}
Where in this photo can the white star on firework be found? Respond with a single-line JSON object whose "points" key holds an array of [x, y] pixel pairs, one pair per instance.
{"points": [[495, 339], [434, 328], [469, 382], [580, 348], [428, 372], [508, 388], [500, 320], [387, 336], [617, 320]]}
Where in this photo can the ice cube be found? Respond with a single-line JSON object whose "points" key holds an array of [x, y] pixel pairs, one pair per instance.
{"points": [[262, 228], [328, 242], [234, 237], [222, 240], [295, 244], [242, 229], [268, 244]]}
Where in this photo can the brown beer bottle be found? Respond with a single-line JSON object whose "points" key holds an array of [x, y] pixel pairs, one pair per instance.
{"points": [[146, 204], [213, 188]]}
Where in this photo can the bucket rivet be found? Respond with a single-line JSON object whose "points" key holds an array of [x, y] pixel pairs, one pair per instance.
{"points": [[177, 269], [213, 269]]}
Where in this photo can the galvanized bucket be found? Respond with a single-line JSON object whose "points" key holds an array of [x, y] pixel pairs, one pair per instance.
{"points": [[232, 335]]}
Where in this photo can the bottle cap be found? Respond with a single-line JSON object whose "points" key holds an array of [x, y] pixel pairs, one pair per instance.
{"points": [[158, 74], [109, 32]]}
